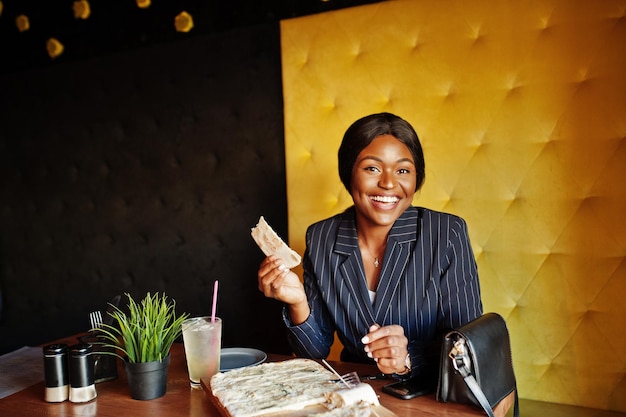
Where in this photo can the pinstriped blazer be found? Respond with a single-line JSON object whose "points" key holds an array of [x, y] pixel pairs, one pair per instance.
{"points": [[428, 284]]}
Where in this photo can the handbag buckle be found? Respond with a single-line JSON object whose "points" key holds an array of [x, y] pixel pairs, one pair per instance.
{"points": [[459, 356]]}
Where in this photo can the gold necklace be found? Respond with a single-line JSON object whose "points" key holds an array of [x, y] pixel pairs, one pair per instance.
{"points": [[376, 261]]}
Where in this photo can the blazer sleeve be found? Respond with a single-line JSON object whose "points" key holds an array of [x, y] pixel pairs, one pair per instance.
{"points": [[460, 300], [458, 291], [314, 337]]}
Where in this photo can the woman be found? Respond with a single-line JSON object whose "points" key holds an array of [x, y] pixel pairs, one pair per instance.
{"points": [[388, 277]]}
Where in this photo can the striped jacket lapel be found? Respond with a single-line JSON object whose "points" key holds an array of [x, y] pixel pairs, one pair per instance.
{"points": [[351, 270], [400, 245]]}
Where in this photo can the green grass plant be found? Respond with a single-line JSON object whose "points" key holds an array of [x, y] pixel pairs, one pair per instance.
{"points": [[146, 333]]}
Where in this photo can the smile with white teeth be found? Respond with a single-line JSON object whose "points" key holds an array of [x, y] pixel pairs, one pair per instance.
{"points": [[385, 199]]}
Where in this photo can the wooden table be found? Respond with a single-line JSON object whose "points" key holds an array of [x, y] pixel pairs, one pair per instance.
{"points": [[180, 400]]}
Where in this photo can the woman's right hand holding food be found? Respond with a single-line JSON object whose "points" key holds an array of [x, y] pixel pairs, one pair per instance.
{"points": [[278, 282]]}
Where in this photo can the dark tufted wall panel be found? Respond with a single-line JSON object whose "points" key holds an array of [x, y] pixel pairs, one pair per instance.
{"points": [[137, 172]]}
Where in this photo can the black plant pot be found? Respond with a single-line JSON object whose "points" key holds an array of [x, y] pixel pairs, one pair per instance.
{"points": [[147, 380]]}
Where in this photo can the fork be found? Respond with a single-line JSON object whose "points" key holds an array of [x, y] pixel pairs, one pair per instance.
{"points": [[351, 379], [95, 318]]}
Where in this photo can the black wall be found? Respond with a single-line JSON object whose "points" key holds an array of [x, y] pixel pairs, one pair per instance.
{"points": [[142, 171]]}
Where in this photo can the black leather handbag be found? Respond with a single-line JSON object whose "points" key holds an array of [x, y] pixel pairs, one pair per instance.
{"points": [[476, 364]]}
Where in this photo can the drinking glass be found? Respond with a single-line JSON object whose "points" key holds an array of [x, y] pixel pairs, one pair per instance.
{"points": [[203, 340]]}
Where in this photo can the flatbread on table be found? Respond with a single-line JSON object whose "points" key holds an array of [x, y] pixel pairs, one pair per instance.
{"points": [[272, 387], [271, 244], [292, 388]]}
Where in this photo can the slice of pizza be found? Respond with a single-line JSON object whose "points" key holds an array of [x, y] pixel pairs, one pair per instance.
{"points": [[271, 244]]}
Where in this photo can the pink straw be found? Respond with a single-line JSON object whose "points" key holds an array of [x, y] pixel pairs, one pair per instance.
{"points": [[214, 302]]}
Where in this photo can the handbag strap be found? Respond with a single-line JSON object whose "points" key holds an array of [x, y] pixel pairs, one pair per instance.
{"points": [[461, 362]]}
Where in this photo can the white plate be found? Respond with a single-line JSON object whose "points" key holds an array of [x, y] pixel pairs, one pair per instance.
{"points": [[233, 358]]}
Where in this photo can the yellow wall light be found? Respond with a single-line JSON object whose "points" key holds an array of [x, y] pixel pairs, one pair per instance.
{"points": [[54, 47], [143, 4], [82, 9], [22, 23], [183, 22]]}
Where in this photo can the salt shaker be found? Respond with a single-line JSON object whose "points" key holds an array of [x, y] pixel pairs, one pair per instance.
{"points": [[56, 373], [82, 387]]}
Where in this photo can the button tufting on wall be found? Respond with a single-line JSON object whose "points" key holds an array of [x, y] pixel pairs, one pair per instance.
{"points": [[518, 108], [475, 33], [143, 238], [129, 279], [355, 50], [544, 21], [174, 161], [447, 90], [59, 206], [415, 43], [152, 163], [104, 169], [72, 172], [89, 205]]}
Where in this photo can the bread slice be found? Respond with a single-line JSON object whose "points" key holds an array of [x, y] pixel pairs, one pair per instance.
{"points": [[271, 244]]}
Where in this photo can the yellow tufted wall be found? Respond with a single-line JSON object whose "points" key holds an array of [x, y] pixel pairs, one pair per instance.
{"points": [[521, 108]]}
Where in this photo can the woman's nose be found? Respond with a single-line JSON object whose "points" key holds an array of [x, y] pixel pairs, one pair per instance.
{"points": [[387, 180]]}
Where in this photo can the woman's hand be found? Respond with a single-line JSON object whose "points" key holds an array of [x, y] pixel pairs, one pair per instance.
{"points": [[388, 347], [278, 282]]}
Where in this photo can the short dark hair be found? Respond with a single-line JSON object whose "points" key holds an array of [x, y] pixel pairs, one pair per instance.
{"points": [[362, 132]]}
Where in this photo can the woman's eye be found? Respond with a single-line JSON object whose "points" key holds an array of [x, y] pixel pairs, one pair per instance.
{"points": [[372, 169], [404, 171]]}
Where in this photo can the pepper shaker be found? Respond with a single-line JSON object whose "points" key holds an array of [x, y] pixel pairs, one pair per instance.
{"points": [[56, 373], [82, 387]]}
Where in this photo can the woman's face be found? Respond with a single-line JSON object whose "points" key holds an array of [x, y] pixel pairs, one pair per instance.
{"points": [[383, 181]]}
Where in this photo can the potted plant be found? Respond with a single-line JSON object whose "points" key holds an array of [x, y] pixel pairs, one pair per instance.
{"points": [[144, 336]]}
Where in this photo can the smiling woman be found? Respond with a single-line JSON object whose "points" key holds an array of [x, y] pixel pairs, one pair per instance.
{"points": [[386, 276], [382, 188]]}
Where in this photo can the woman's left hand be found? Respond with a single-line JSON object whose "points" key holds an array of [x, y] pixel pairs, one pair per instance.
{"points": [[388, 347]]}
